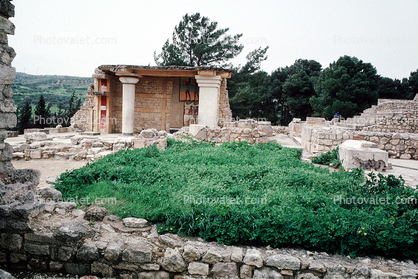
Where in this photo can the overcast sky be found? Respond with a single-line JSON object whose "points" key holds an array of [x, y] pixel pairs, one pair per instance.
{"points": [[61, 37]]}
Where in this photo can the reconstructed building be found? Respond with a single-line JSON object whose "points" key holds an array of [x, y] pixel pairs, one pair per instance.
{"points": [[127, 99]]}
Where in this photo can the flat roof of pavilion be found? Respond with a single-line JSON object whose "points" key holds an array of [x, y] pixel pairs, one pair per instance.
{"points": [[164, 71]]}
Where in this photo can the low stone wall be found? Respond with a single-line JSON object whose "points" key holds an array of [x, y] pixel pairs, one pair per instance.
{"points": [[56, 237], [81, 147], [323, 139], [398, 145]]}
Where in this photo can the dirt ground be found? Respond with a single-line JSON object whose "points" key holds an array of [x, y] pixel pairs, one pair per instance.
{"points": [[48, 168]]}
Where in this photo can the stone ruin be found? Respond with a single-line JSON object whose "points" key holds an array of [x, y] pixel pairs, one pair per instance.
{"points": [[391, 125]]}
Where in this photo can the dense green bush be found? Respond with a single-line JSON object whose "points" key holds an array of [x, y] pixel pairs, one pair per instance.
{"points": [[282, 201], [329, 158]]}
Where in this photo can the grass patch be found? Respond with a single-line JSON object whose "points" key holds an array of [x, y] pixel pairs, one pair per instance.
{"points": [[262, 194]]}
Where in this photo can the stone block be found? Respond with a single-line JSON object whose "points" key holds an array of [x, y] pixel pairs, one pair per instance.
{"points": [[246, 271], [77, 268], [212, 256], [7, 74], [88, 252], [36, 249], [7, 120], [95, 213], [7, 9], [225, 271], [113, 251], [55, 266], [150, 266], [139, 143], [70, 232], [132, 222], [6, 26], [7, 54], [191, 253], [196, 268], [253, 257], [16, 257], [102, 269], [137, 252], [173, 261], [354, 154], [283, 262], [6, 154], [237, 254], [12, 242]]}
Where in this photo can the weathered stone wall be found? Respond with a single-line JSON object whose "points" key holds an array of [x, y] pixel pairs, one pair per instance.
{"points": [[395, 105], [398, 145], [323, 139], [247, 130], [281, 129], [405, 122], [7, 76], [56, 237], [225, 113], [83, 119]]}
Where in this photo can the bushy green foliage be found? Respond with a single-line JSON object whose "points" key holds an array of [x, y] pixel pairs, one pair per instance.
{"points": [[329, 158], [282, 200]]}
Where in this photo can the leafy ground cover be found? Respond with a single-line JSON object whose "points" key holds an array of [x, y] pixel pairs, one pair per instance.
{"points": [[329, 158], [262, 194]]}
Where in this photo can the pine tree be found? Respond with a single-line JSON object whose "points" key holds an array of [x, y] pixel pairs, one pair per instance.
{"points": [[74, 105], [25, 117], [42, 113], [198, 42]]}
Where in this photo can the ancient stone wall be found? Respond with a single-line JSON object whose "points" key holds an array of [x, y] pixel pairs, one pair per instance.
{"points": [[83, 118], [398, 145], [225, 113], [405, 122], [7, 76], [56, 237], [322, 139]]}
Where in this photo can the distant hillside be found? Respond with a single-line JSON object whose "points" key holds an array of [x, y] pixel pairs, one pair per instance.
{"points": [[56, 89]]}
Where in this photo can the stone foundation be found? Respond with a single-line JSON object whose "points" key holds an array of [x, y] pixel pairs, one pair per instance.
{"points": [[59, 238]]}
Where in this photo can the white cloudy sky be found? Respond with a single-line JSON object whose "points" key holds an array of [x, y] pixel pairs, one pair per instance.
{"points": [[74, 37]]}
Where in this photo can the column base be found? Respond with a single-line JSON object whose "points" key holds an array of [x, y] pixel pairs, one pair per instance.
{"points": [[127, 134]]}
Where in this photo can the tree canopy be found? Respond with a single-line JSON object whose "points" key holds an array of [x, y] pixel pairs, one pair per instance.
{"points": [[197, 41], [348, 85]]}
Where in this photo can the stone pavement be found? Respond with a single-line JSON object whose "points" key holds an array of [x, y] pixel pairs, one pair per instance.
{"points": [[407, 168]]}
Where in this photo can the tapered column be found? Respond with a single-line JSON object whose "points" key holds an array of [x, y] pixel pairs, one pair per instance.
{"points": [[209, 90], [128, 104]]}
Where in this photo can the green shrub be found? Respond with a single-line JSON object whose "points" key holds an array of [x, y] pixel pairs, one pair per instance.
{"points": [[329, 158], [239, 193]]}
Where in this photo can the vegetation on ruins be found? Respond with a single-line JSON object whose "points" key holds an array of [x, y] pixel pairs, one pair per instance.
{"points": [[261, 194], [329, 158], [197, 41]]}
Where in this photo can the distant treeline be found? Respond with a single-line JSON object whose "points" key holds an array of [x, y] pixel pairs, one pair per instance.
{"points": [[348, 86], [55, 89]]}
